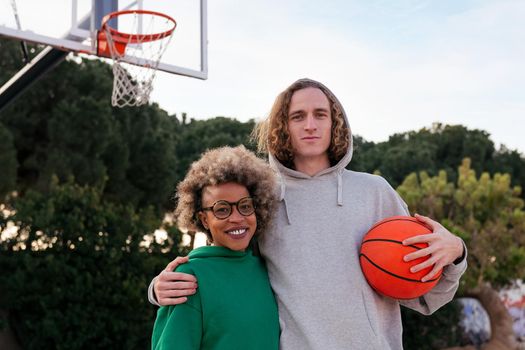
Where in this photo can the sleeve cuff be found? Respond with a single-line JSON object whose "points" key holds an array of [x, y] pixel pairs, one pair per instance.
{"points": [[151, 293], [459, 265], [463, 255]]}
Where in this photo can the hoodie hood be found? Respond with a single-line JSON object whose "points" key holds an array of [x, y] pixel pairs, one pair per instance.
{"points": [[338, 168], [343, 162]]}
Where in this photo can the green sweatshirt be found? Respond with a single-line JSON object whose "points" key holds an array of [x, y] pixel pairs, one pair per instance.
{"points": [[233, 308]]}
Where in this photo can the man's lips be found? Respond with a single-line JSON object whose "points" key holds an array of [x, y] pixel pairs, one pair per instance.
{"points": [[310, 138]]}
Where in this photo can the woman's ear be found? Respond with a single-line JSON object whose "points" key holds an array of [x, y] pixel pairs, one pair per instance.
{"points": [[204, 219]]}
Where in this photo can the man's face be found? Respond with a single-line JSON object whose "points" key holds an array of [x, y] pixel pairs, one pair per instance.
{"points": [[310, 125]]}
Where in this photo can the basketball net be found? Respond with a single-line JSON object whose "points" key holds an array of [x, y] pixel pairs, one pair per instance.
{"points": [[144, 41]]}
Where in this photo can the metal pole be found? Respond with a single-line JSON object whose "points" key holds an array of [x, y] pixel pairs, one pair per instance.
{"points": [[204, 38]]}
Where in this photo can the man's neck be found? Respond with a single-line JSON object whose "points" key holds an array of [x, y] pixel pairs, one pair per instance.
{"points": [[311, 166]]}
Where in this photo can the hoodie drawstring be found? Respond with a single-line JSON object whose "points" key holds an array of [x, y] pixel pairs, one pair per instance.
{"points": [[340, 187], [286, 211], [281, 198]]}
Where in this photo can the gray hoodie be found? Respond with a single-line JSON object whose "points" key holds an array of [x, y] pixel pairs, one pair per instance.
{"points": [[312, 255]]}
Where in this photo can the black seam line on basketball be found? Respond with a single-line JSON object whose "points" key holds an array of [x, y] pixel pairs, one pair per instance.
{"points": [[398, 219], [390, 240], [390, 220], [393, 274]]}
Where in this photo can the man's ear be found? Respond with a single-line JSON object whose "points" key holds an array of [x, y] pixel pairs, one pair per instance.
{"points": [[204, 219]]}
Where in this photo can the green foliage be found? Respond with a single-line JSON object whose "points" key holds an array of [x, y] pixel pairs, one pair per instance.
{"points": [[149, 155], [11, 58], [77, 271], [510, 162], [455, 142], [441, 147], [78, 131], [93, 183], [65, 126], [8, 162], [362, 159], [197, 136], [53, 120], [439, 331], [486, 211]]}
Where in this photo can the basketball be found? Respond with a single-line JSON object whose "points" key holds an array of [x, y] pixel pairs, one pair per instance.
{"points": [[381, 258]]}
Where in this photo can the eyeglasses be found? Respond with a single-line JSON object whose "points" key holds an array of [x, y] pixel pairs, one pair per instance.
{"points": [[223, 209]]}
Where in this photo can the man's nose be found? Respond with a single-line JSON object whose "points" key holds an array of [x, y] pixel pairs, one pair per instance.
{"points": [[310, 123]]}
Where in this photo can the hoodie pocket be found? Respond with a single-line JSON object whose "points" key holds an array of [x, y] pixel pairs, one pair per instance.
{"points": [[370, 311]]}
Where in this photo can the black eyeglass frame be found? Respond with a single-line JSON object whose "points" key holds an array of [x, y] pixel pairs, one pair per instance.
{"points": [[231, 204]]}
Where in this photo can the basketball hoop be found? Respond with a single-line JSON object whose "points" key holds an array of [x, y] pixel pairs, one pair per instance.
{"points": [[145, 37]]}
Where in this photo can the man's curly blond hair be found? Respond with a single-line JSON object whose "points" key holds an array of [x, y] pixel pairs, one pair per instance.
{"points": [[222, 165], [272, 135]]}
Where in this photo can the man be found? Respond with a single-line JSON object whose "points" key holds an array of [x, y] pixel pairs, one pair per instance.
{"points": [[312, 250]]}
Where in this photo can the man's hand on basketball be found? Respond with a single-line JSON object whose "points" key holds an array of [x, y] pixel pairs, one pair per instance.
{"points": [[172, 288], [443, 248]]}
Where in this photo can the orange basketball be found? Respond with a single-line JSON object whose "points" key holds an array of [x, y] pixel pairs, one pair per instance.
{"points": [[381, 258]]}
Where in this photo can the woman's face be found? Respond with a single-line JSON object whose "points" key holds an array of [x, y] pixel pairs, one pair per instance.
{"points": [[232, 231]]}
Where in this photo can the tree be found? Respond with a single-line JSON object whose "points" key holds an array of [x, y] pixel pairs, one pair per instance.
{"points": [[65, 126], [365, 156], [197, 136], [89, 184], [509, 162], [11, 58], [146, 139], [441, 147], [78, 270], [488, 213], [8, 161], [455, 142]]}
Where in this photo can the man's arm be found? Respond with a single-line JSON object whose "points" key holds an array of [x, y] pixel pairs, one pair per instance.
{"points": [[172, 288], [447, 252]]}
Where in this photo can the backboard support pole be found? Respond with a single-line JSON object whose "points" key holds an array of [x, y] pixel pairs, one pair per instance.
{"points": [[46, 60], [204, 38], [102, 8]]}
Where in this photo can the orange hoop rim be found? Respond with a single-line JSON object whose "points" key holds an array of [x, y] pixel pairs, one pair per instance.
{"points": [[135, 38]]}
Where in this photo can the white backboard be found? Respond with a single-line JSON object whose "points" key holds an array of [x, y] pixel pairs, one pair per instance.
{"points": [[70, 25]]}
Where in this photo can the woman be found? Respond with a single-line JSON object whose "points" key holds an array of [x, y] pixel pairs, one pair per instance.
{"points": [[229, 194]]}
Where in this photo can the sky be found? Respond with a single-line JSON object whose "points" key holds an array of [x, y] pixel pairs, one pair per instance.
{"points": [[395, 65]]}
